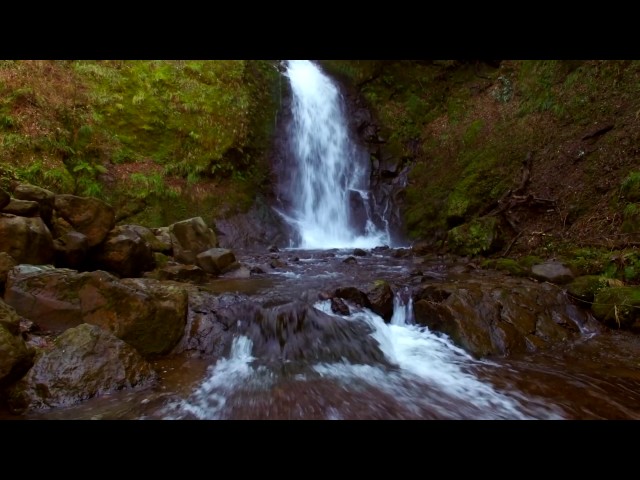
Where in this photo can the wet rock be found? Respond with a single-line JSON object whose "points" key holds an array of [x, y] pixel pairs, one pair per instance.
{"points": [[15, 357], [422, 247], [380, 297], [350, 260], [354, 295], [358, 211], [87, 215], [70, 250], [358, 252], [215, 260], [5, 198], [338, 306], [163, 236], [26, 239], [47, 296], [7, 262], [82, 363], [157, 243], [500, 315], [44, 198], [191, 237], [181, 273], [297, 332], [277, 263], [260, 227], [148, 314], [210, 326], [554, 272], [401, 253], [125, 253], [22, 208]]}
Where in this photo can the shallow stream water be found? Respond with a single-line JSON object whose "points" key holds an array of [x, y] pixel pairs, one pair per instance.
{"points": [[423, 374]]}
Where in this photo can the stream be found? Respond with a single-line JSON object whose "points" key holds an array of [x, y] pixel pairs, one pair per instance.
{"points": [[422, 374]]}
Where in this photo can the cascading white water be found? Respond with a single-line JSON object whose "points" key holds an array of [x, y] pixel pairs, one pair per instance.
{"points": [[432, 375], [329, 168], [429, 360]]}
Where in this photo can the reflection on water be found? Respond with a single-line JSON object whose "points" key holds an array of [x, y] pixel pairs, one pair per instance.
{"points": [[249, 286]]}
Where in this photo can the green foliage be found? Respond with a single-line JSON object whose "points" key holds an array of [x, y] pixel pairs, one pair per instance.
{"points": [[472, 132], [64, 124], [479, 236], [529, 261], [147, 185], [631, 218], [85, 177], [184, 115], [476, 186], [630, 187], [537, 86], [509, 265], [623, 265], [6, 122], [352, 71]]}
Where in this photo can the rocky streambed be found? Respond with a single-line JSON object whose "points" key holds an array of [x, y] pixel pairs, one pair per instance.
{"points": [[341, 334]]}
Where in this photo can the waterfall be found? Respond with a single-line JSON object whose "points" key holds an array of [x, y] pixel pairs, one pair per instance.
{"points": [[327, 187]]}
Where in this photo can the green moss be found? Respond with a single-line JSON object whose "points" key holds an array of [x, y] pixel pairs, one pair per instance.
{"points": [[509, 265], [537, 84], [479, 236], [530, 260], [631, 218], [630, 188], [585, 287], [472, 132], [617, 307], [588, 261]]}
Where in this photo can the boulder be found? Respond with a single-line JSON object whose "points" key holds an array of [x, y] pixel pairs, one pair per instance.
{"points": [[22, 208], [15, 357], [45, 199], [215, 260], [125, 252], [90, 216], [191, 237], [26, 239], [83, 362]]}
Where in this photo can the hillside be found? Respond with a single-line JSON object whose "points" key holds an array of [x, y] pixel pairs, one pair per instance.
{"points": [[160, 140], [551, 148]]}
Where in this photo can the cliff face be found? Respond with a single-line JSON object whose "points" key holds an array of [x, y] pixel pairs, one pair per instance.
{"points": [[548, 148]]}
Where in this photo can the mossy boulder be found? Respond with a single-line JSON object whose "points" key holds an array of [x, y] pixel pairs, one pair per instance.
{"points": [[584, 288], [508, 265], [477, 237], [618, 307]]}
